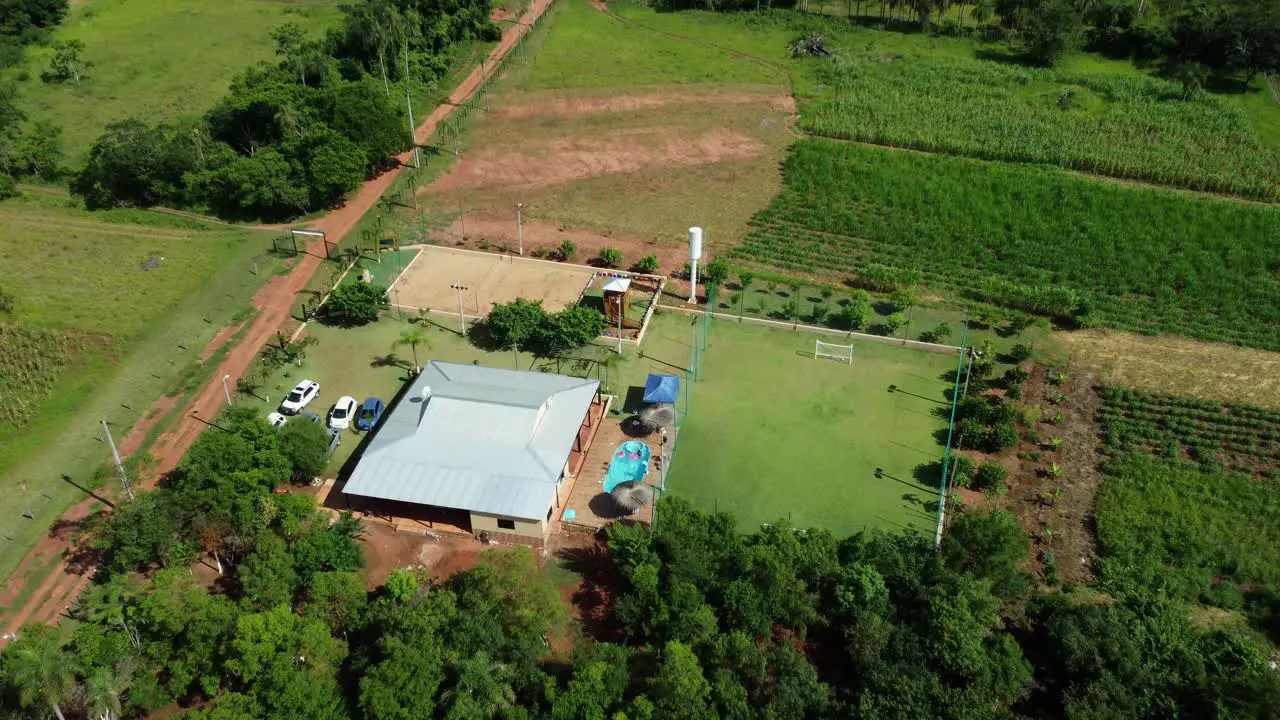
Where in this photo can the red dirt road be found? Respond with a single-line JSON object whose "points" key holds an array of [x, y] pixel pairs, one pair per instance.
{"points": [[273, 302]]}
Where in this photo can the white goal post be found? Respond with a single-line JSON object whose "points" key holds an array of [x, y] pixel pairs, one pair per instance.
{"points": [[833, 351]]}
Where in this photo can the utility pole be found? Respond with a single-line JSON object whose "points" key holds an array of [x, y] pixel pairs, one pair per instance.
{"points": [[520, 226], [462, 321], [225, 391], [115, 456]]}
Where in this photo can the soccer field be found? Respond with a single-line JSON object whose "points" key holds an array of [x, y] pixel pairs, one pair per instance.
{"points": [[774, 433]]}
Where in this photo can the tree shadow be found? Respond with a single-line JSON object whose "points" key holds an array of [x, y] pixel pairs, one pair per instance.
{"points": [[601, 581], [928, 474], [388, 360]]}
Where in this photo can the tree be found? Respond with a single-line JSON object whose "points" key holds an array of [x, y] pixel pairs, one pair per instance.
{"points": [[355, 303], [267, 577], [609, 257], [39, 151], [901, 299], [38, 667], [404, 684], [263, 185], [66, 63], [679, 689], [306, 445], [337, 598], [131, 164], [989, 545], [1047, 32], [715, 273], [566, 330], [335, 166], [413, 337], [515, 324]]}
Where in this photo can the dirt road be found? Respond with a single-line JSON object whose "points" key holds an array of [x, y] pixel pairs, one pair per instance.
{"points": [[273, 302]]}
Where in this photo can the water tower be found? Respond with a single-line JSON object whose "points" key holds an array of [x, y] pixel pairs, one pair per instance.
{"points": [[695, 254]]}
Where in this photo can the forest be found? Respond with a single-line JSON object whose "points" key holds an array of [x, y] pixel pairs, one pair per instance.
{"points": [[703, 621], [26, 148]]}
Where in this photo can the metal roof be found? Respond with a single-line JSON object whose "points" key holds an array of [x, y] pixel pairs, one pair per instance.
{"points": [[616, 284], [476, 438]]}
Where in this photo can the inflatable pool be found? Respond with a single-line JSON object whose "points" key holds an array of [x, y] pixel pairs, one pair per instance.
{"points": [[630, 463]]}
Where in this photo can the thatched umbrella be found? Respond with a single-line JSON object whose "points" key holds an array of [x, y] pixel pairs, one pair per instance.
{"points": [[631, 496], [658, 415]]}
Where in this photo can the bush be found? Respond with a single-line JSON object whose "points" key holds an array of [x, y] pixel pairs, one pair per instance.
{"points": [[1014, 377], [609, 257], [566, 250], [1050, 568], [901, 299], [1001, 436], [962, 471], [647, 264], [989, 476], [937, 334], [1020, 353]]}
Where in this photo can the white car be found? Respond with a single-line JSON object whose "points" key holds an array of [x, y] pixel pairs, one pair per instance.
{"points": [[298, 398], [276, 420], [342, 412]]}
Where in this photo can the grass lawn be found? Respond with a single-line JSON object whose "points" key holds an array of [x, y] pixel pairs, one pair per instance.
{"points": [[774, 433], [82, 274], [156, 59]]}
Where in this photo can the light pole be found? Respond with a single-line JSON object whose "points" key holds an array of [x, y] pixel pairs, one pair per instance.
{"points": [[115, 456], [225, 391], [618, 299], [462, 322], [520, 226]]}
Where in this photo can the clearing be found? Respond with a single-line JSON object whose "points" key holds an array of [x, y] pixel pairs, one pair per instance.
{"points": [[156, 59]]}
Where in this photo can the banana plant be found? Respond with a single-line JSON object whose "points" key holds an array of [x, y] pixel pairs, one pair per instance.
{"points": [[1055, 442], [1055, 469]]}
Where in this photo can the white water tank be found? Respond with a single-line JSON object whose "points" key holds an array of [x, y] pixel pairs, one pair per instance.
{"points": [[695, 243]]}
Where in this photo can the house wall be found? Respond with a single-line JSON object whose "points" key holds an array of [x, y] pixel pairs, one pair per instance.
{"points": [[535, 529]]}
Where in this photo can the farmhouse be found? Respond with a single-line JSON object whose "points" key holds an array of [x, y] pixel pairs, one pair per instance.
{"points": [[485, 449]]}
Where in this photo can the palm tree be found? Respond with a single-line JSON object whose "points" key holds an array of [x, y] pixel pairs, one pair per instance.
{"points": [[102, 694], [40, 668], [744, 279], [413, 337], [483, 687]]}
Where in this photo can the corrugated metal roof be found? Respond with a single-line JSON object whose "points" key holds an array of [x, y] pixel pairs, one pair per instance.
{"points": [[476, 438]]}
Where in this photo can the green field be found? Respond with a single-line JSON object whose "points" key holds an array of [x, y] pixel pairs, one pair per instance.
{"points": [[622, 55], [1198, 535], [155, 59], [1035, 238], [137, 323], [774, 433], [1129, 126]]}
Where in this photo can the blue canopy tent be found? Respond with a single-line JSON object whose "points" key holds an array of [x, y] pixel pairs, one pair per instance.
{"points": [[661, 388]]}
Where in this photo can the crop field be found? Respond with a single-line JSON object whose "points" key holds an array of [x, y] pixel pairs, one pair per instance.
{"points": [[1240, 438], [1129, 126], [1032, 238], [1199, 535], [31, 360], [156, 59]]}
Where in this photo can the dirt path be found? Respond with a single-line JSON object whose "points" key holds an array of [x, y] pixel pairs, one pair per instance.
{"points": [[273, 303]]}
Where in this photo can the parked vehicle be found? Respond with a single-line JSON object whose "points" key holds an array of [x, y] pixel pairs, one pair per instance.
{"points": [[299, 397], [341, 413], [335, 439], [276, 420], [370, 414], [310, 416]]}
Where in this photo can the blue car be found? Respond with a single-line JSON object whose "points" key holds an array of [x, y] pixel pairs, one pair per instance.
{"points": [[369, 415]]}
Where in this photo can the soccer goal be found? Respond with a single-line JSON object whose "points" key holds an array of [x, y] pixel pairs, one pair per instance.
{"points": [[834, 351]]}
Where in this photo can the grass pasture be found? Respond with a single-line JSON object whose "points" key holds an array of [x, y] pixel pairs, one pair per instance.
{"points": [[1036, 238], [1120, 125], [774, 433], [139, 324], [156, 59]]}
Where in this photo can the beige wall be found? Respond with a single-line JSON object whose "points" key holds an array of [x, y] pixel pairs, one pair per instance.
{"points": [[526, 528]]}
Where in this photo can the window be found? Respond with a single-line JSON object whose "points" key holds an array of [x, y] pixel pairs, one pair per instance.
{"points": [[504, 524]]}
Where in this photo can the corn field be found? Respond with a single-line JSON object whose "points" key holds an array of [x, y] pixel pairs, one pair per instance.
{"points": [[31, 361], [1033, 238], [1117, 125]]}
